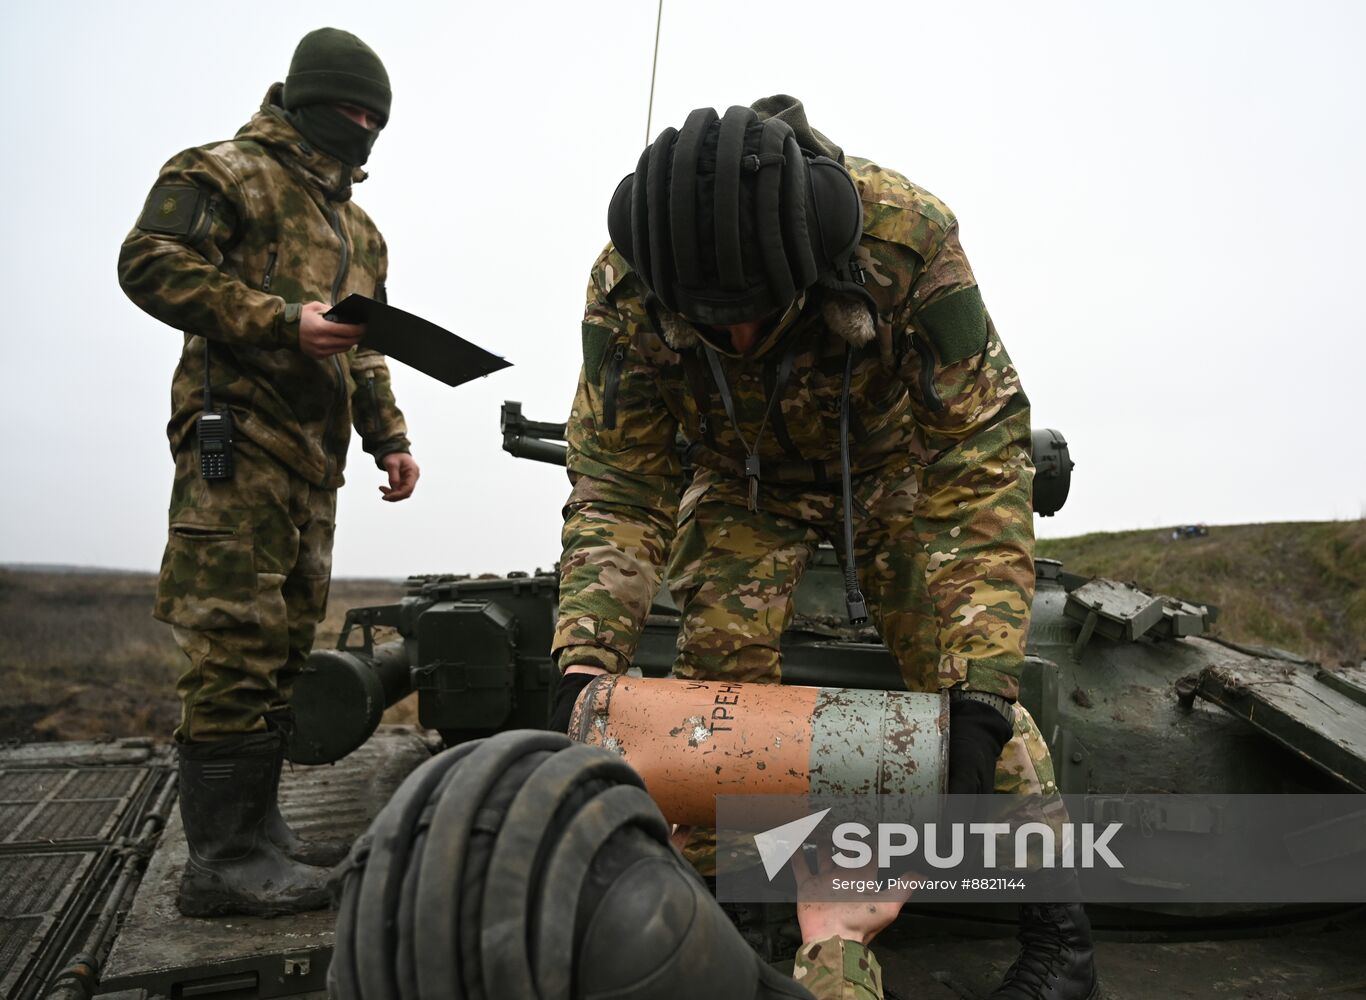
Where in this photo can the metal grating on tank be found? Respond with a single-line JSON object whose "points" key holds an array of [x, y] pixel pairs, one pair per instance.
{"points": [[102, 783], [34, 889], [30, 884], [55, 822], [16, 935], [28, 786], [43, 806], [62, 805], [11, 813]]}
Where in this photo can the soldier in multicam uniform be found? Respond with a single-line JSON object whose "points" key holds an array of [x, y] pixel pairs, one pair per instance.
{"points": [[809, 326], [245, 245]]}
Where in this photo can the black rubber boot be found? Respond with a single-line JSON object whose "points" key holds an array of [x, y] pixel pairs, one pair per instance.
{"points": [[227, 790], [1057, 959], [323, 853]]}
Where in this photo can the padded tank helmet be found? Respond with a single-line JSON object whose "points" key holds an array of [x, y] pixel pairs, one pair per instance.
{"points": [[524, 865], [728, 220]]}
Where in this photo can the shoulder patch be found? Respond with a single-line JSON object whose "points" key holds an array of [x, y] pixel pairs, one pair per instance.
{"points": [[898, 211], [596, 340], [611, 267], [956, 324], [173, 209]]}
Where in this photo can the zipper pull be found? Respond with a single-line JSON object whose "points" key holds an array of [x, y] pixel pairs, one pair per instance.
{"points": [[609, 389], [270, 270]]}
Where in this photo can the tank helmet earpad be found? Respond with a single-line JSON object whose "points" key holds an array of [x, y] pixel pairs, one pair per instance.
{"points": [[729, 220]]}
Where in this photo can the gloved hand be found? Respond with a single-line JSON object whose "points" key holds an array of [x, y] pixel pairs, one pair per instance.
{"points": [[977, 735], [566, 693]]}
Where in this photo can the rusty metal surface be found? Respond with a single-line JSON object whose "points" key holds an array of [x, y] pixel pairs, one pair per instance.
{"points": [[878, 743], [693, 740]]}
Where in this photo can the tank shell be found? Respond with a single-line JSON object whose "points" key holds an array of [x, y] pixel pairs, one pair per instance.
{"points": [[694, 740]]}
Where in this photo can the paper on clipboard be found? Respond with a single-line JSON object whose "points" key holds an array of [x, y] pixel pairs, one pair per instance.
{"points": [[416, 342]]}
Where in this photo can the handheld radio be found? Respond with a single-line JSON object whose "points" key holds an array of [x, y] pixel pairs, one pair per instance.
{"points": [[214, 432]]}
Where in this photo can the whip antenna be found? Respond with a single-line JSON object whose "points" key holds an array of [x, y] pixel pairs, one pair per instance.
{"points": [[654, 65]]}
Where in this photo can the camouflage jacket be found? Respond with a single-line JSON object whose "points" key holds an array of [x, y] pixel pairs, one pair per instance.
{"points": [[933, 395], [838, 969], [234, 238]]}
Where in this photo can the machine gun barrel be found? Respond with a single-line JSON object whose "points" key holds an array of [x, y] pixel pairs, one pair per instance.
{"points": [[533, 439], [536, 440]]}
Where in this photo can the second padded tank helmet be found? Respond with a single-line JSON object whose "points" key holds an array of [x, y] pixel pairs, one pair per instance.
{"points": [[729, 220]]}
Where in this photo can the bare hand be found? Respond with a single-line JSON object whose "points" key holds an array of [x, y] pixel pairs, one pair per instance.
{"points": [[321, 338], [855, 920], [403, 473], [583, 668]]}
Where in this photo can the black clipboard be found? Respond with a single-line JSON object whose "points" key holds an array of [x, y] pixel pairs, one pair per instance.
{"points": [[416, 342]]}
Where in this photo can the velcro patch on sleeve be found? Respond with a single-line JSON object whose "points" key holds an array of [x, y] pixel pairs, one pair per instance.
{"points": [[172, 209], [956, 325], [596, 340]]}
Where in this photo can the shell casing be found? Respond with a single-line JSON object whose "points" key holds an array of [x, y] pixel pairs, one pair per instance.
{"points": [[694, 740]]}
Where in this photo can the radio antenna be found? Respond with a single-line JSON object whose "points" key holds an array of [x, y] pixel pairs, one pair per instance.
{"points": [[654, 65]]}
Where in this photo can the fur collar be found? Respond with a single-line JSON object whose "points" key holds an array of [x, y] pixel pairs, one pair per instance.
{"points": [[845, 316]]}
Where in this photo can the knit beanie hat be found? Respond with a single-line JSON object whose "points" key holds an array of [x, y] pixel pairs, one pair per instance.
{"points": [[333, 66]]}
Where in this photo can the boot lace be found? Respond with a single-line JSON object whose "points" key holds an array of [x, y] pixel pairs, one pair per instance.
{"points": [[1042, 947]]}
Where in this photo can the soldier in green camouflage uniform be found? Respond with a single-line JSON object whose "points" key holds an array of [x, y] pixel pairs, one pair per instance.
{"points": [[244, 245], [939, 455]]}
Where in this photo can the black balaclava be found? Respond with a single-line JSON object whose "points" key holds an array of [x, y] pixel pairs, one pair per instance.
{"points": [[331, 67]]}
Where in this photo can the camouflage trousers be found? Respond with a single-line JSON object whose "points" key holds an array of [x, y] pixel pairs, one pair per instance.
{"points": [[733, 572], [244, 582]]}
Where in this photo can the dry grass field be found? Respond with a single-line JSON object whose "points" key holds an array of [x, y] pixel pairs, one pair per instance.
{"points": [[81, 656], [1301, 586]]}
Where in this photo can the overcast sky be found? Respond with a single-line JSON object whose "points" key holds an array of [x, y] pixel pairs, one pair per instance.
{"points": [[1163, 203]]}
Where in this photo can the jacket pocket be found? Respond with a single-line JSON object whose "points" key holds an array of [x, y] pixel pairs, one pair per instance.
{"points": [[208, 573], [365, 369]]}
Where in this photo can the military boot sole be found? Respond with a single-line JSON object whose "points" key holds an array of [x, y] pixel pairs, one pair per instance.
{"points": [[198, 899]]}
